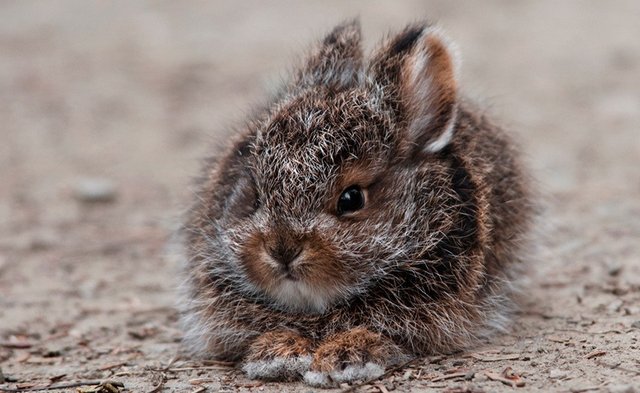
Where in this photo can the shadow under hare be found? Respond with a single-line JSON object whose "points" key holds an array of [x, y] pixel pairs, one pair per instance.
{"points": [[366, 216]]}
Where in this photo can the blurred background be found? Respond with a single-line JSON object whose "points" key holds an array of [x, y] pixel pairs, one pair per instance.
{"points": [[107, 107]]}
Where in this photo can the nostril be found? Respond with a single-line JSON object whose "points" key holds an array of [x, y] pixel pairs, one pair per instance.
{"points": [[284, 253]]}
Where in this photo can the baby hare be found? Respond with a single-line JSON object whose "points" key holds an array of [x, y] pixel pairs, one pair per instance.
{"points": [[366, 216]]}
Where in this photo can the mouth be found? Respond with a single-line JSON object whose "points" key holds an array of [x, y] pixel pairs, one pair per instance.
{"points": [[286, 273], [290, 276]]}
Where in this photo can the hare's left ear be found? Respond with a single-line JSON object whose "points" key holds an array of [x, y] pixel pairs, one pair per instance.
{"points": [[421, 66], [429, 86], [336, 61]]}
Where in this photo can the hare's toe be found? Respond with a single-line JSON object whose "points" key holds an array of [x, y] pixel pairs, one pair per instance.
{"points": [[278, 368], [353, 372], [355, 355], [278, 356]]}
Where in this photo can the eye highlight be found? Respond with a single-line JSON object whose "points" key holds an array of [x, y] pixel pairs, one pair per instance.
{"points": [[351, 200]]}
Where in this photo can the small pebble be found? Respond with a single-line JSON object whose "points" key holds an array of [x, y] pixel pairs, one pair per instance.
{"points": [[635, 325], [95, 190], [614, 269], [615, 305]]}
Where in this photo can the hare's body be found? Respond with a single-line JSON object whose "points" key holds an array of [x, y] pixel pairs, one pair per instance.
{"points": [[365, 217]]}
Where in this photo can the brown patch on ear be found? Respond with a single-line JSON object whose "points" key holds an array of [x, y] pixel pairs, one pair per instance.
{"points": [[440, 69], [336, 62], [387, 61], [417, 69], [429, 91]]}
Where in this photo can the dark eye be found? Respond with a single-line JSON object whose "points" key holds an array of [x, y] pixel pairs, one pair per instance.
{"points": [[350, 200]]}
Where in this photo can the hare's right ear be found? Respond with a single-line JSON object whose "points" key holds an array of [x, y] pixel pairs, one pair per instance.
{"points": [[417, 69], [336, 61]]}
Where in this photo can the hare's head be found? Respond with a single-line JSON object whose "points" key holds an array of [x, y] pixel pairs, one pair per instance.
{"points": [[341, 179]]}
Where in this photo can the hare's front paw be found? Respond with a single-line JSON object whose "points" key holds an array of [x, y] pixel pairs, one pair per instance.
{"points": [[278, 356], [354, 355]]}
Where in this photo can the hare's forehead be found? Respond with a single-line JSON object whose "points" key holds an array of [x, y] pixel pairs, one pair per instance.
{"points": [[305, 143], [307, 166], [316, 133], [299, 167]]}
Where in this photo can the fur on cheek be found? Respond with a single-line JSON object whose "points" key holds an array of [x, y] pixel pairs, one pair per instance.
{"points": [[252, 260]]}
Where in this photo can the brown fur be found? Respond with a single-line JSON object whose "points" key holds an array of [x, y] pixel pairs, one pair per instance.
{"points": [[423, 267], [355, 346], [281, 343]]}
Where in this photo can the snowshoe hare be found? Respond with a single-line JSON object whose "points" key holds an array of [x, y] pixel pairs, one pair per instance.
{"points": [[366, 216]]}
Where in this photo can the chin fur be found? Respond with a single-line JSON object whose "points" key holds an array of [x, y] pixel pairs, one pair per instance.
{"points": [[298, 296]]}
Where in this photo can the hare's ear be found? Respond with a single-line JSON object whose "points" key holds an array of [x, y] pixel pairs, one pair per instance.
{"points": [[421, 66], [336, 61]]}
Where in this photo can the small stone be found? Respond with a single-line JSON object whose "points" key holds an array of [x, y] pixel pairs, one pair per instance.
{"points": [[614, 269], [615, 305], [95, 190], [635, 324], [558, 374]]}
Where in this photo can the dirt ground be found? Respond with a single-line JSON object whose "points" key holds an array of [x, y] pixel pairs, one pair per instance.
{"points": [[106, 108]]}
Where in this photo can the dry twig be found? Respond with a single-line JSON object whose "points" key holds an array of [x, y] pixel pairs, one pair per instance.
{"points": [[450, 376], [514, 382], [479, 356], [595, 354]]}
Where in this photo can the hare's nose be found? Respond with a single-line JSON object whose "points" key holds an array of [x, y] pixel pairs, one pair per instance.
{"points": [[285, 253]]}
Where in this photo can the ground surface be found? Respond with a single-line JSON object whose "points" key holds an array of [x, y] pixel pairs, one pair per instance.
{"points": [[134, 94]]}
